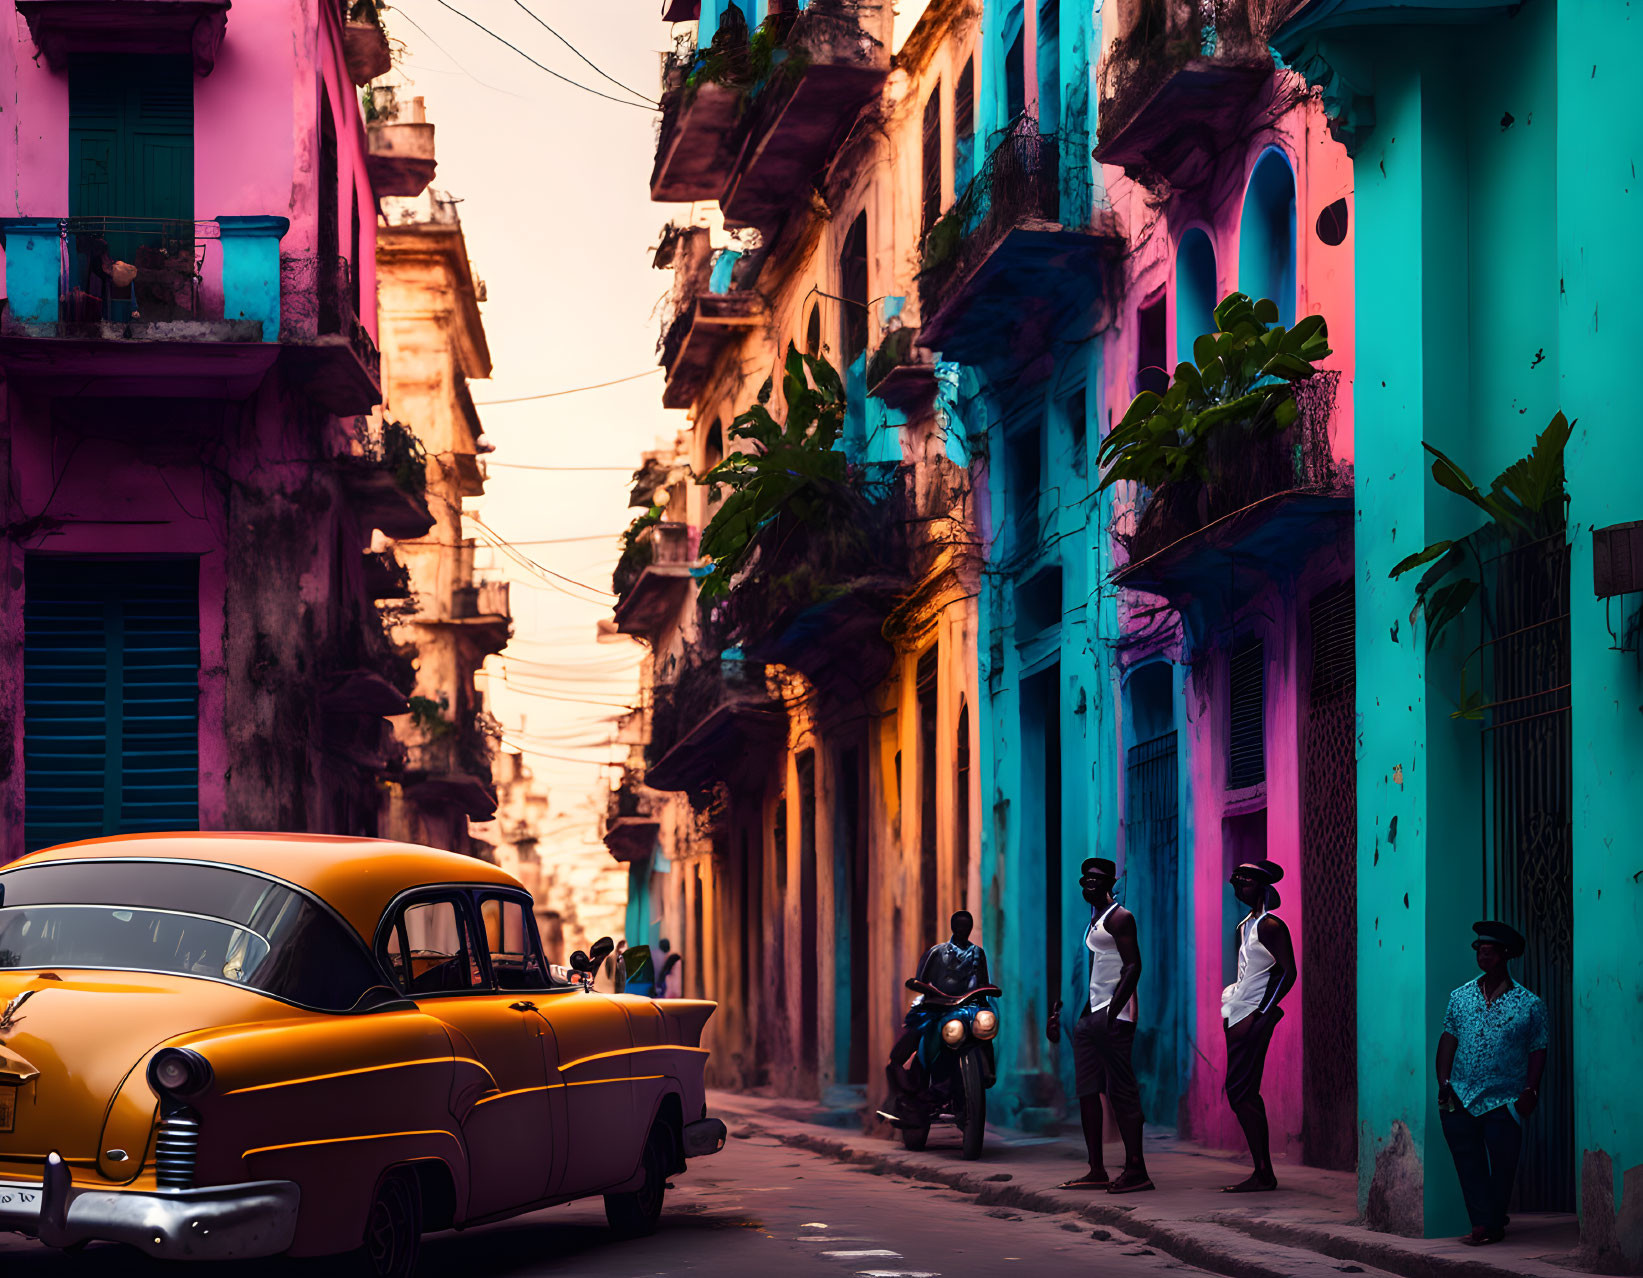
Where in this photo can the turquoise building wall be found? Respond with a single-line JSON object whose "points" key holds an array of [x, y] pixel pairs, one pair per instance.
{"points": [[1498, 262]]}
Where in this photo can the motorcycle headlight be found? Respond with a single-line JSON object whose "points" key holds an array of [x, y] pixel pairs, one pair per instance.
{"points": [[985, 1024], [952, 1033]]}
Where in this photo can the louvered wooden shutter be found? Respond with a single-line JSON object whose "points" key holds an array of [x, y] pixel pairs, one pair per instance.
{"points": [[1246, 757], [111, 660], [131, 137], [964, 128], [932, 158]]}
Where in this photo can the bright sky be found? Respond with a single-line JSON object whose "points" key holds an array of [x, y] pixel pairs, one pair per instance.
{"points": [[558, 220], [559, 223]]}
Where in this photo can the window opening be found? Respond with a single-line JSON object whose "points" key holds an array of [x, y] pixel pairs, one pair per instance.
{"points": [[432, 951], [1015, 77], [932, 160], [813, 332], [1246, 758], [961, 808], [964, 127], [1195, 298], [1049, 67], [327, 245], [1026, 464], [853, 289], [1266, 234], [1076, 410], [1151, 352], [809, 969], [929, 844], [511, 944]]}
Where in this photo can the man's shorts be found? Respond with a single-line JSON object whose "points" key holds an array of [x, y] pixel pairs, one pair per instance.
{"points": [[1101, 1061], [1246, 1058]]}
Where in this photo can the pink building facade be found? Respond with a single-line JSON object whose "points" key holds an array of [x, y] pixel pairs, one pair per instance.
{"points": [[188, 370], [1234, 625]]}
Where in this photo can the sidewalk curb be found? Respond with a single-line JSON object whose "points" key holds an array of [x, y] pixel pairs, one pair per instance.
{"points": [[1225, 1243]]}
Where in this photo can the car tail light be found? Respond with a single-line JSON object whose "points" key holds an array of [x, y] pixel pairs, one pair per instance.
{"points": [[176, 1147]]}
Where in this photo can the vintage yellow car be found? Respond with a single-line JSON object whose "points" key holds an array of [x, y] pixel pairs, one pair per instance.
{"points": [[219, 1046]]}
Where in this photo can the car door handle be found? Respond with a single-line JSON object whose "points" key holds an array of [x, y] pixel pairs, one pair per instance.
{"points": [[522, 1007]]}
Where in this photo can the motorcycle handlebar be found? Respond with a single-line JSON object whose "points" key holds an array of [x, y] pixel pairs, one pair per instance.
{"points": [[939, 996]]}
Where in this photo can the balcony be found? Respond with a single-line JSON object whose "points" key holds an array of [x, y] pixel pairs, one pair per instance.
{"points": [[1267, 506], [387, 482], [632, 819], [1014, 257], [827, 67], [334, 359], [141, 306], [818, 594], [1174, 95], [693, 146], [657, 579], [480, 611], [715, 722], [454, 769], [902, 373], [400, 159], [701, 330], [364, 41], [61, 28]]}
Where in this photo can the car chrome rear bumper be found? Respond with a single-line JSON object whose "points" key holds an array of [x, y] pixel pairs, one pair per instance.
{"points": [[220, 1222], [704, 1137]]}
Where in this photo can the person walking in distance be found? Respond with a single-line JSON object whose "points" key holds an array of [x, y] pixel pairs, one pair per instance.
{"points": [[1250, 1011], [1103, 1036], [1490, 1058]]}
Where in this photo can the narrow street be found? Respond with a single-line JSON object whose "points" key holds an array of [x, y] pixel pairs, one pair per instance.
{"points": [[759, 1208]]}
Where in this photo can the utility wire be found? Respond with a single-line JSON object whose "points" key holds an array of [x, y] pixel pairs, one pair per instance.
{"points": [[574, 390], [626, 470], [642, 97], [573, 83]]}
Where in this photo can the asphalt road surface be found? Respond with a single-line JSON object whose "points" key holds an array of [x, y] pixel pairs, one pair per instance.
{"points": [[757, 1209]]}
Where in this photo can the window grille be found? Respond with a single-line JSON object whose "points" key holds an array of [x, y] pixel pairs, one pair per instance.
{"points": [[1246, 752]]}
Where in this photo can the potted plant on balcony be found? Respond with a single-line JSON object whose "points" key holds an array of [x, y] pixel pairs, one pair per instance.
{"points": [[1218, 436]]}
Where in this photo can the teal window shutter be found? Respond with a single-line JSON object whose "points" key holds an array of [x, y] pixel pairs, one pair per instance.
{"points": [[131, 136], [111, 659]]}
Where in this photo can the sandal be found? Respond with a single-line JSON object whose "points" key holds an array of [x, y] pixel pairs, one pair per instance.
{"points": [[1131, 1182], [1086, 1183]]}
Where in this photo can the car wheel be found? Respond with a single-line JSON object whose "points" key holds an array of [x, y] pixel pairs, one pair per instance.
{"points": [[393, 1228], [635, 1215]]}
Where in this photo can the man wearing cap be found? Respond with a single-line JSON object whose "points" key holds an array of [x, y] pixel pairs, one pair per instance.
{"points": [[1103, 1037], [1250, 1011], [1490, 1059]]}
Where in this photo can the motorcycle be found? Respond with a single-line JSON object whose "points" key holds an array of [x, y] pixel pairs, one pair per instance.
{"points": [[953, 1069]]}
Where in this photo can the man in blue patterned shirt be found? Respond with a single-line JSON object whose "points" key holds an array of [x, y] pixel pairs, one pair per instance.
{"points": [[1490, 1059]]}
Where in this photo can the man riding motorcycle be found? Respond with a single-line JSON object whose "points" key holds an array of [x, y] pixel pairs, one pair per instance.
{"points": [[955, 967]]}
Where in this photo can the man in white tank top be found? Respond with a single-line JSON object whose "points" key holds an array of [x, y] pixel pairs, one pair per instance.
{"points": [[1103, 1036], [1250, 1011]]}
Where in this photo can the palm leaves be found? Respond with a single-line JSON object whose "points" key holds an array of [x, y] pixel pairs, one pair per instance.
{"points": [[1240, 378], [793, 470], [1525, 503]]}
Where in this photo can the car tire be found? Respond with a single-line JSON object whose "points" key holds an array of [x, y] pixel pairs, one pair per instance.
{"points": [[393, 1228], [634, 1215]]}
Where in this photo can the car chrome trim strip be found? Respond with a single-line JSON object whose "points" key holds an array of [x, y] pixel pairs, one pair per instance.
{"points": [[349, 1073], [594, 1082], [631, 1051], [348, 1140]]}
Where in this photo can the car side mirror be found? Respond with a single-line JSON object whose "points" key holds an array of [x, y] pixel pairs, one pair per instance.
{"points": [[601, 951], [580, 962]]}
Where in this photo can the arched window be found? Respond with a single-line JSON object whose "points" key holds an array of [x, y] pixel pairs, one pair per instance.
{"points": [[1049, 66], [1194, 291], [812, 332], [1014, 44], [1266, 235]]}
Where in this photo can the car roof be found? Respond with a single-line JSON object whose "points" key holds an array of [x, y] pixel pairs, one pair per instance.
{"points": [[357, 877]]}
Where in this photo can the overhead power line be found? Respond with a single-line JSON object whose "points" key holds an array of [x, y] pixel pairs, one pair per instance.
{"points": [[599, 70], [574, 390], [539, 66]]}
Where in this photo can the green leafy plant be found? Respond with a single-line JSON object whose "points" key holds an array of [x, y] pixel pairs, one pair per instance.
{"points": [[1525, 503], [1240, 379], [402, 453], [429, 717], [636, 551], [794, 471]]}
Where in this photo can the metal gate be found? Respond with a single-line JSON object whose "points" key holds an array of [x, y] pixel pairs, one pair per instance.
{"points": [[1329, 891], [1152, 875], [1528, 832]]}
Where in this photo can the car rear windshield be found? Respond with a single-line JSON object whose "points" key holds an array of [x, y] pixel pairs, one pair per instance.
{"points": [[193, 920]]}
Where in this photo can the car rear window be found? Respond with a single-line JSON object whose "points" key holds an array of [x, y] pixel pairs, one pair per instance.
{"points": [[195, 920]]}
